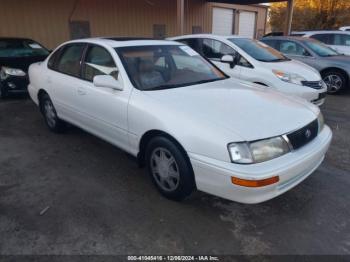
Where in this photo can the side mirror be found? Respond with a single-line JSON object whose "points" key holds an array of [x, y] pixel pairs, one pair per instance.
{"points": [[229, 59], [107, 81]]}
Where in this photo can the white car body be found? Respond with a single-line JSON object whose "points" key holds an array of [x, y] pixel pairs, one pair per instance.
{"points": [[203, 118], [262, 73], [342, 49]]}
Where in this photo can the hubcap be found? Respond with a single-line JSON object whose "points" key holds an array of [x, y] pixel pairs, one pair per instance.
{"points": [[50, 113], [164, 169], [333, 82]]}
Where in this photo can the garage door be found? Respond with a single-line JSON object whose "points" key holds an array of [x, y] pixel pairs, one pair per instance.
{"points": [[223, 21], [247, 22]]}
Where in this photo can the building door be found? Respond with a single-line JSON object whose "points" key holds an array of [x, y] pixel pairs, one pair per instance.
{"points": [[223, 21], [247, 24]]}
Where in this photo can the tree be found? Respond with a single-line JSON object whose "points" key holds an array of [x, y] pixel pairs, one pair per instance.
{"points": [[311, 14]]}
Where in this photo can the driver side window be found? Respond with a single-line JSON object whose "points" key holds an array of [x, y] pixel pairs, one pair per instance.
{"points": [[292, 48], [98, 61]]}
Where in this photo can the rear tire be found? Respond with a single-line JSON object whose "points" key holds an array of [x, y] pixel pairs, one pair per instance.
{"points": [[336, 81], [48, 110], [169, 169]]}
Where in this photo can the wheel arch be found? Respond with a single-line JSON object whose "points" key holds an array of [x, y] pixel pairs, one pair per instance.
{"points": [[329, 69], [148, 136], [41, 93]]}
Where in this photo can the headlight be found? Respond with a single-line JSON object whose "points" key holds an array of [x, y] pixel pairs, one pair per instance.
{"points": [[259, 151], [7, 71], [320, 120], [289, 77]]}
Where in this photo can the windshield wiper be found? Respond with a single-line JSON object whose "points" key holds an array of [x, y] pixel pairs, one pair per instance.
{"points": [[162, 87], [206, 81], [274, 60]]}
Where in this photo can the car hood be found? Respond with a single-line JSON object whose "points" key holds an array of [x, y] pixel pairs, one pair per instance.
{"points": [[21, 62], [293, 66], [250, 111]]}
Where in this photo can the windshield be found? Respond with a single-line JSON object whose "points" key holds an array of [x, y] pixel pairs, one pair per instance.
{"points": [[259, 50], [20, 48], [163, 67], [321, 49]]}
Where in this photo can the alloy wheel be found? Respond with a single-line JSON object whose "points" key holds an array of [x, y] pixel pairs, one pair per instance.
{"points": [[334, 83]]}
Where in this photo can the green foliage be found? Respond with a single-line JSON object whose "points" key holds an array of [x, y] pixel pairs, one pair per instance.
{"points": [[312, 15]]}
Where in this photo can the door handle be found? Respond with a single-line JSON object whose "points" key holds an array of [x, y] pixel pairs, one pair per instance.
{"points": [[81, 91]]}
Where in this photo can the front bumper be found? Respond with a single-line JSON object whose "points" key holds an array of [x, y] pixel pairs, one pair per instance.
{"points": [[315, 96], [15, 84], [214, 176]]}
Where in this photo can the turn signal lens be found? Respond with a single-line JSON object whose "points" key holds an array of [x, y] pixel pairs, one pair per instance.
{"points": [[255, 183]]}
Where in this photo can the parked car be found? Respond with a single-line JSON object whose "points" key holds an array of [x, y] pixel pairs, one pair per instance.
{"points": [[338, 40], [16, 55], [333, 67], [254, 61], [182, 117], [344, 28]]}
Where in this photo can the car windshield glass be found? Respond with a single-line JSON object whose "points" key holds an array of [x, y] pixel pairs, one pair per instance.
{"points": [[21, 48], [167, 66], [259, 50], [321, 49]]}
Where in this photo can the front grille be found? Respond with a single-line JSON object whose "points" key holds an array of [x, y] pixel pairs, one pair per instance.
{"points": [[304, 135], [313, 84]]}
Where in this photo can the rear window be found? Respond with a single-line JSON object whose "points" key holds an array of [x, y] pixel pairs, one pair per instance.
{"points": [[21, 48], [324, 38]]}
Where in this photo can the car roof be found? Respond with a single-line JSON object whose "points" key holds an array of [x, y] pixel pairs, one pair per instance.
{"points": [[115, 42], [322, 32], [297, 38], [208, 36]]}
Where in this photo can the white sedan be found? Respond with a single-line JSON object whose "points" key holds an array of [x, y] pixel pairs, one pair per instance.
{"points": [[183, 118], [255, 62]]}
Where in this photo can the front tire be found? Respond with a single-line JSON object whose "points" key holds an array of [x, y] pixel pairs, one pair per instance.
{"points": [[48, 110], [169, 169], [336, 81]]}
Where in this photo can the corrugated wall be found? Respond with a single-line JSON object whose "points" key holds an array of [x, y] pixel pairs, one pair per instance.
{"points": [[47, 21]]}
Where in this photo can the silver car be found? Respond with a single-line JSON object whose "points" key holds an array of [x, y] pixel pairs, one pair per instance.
{"points": [[334, 67]]}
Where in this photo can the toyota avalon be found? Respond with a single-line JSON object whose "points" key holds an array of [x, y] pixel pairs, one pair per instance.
{"points": [[191, 125]]}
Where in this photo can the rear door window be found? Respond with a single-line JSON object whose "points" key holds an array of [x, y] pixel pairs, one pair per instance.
{"points": [[69, 61], [215, 50], [193, 43], [270, 42], [342, 39]]}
